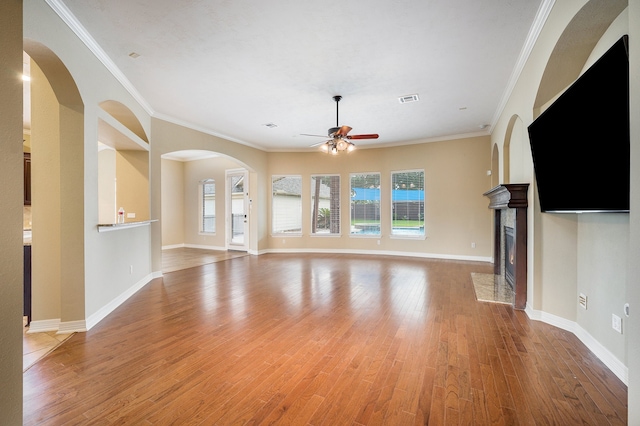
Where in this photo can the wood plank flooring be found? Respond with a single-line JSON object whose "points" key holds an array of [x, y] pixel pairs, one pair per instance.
{"points": [[176, 259], [321, 340]]}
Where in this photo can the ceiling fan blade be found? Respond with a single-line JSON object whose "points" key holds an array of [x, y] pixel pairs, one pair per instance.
{"points": [[315, 136], [367, 136], [317, 144], [342, 131]]}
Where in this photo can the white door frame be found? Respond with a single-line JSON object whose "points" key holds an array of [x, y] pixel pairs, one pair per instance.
{"points": [[235, 245]]}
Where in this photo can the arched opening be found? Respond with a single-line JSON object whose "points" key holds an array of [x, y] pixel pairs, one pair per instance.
{"points": [[517, 153], [57, 193], [199, 208], [126, 117], [574, 47], [123, 166]]}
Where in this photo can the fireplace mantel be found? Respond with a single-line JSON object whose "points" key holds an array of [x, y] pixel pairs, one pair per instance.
{"points": [[501, 198], [511, 195]]}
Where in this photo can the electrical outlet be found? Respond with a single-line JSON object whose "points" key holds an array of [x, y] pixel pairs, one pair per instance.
{"points": [[131, 215], [473, 245], [582, 300], [616, 323]]}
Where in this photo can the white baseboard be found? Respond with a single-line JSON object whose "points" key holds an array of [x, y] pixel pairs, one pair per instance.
{"points": [[382, 253], [204, 247], [42, 326], [68, 327], [172, 246], [111, 306], [610, 360]]}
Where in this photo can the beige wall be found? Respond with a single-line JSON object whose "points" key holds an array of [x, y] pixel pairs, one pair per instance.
{"points": [[10, 228], [172, 182], [456, 213], [168, 137], [107, 186], [45, 198], [132, 189]]}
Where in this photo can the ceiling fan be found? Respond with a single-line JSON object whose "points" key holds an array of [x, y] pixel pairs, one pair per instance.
{"points": [[339, 138]]}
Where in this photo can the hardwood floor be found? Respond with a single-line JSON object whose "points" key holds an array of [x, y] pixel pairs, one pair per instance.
{"points": [[176, 259], [321, 339]]}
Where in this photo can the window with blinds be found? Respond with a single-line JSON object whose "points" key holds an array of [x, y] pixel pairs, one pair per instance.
{"points": [[325, 205], [365, 204], [407, 203]]}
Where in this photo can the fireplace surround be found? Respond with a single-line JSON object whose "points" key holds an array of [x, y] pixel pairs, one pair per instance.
{"points": [[509, 202]]}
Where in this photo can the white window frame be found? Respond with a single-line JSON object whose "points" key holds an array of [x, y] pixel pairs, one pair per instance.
{"points": [[393, 235], [201, 216], [351, 206], [279, 233], [312, 198]]}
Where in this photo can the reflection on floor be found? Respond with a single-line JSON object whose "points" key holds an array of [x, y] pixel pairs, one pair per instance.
{"points": [[492, 288], [36, 346], [182, 258]]}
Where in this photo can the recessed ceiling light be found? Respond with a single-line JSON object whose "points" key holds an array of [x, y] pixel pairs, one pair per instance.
{"points": [[134, 55], [408, 98]]}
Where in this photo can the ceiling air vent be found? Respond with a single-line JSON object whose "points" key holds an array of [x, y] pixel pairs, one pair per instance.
{"points": [[408, 98]]}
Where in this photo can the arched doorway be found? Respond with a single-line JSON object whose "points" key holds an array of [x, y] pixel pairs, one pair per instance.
{"points": [[57, 179], [196, 207]]}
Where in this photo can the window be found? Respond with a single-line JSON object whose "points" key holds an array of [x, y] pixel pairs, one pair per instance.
{"points": [[286, 202], [325, 205], [208, 206], [407, 203], [365, 204]]}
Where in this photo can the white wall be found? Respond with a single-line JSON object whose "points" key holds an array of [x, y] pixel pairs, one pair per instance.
{"points": [[633, 277], [108, 257], [571, 254]]}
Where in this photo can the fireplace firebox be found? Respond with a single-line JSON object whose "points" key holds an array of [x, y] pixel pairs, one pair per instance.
{"points": [[509, 257]]}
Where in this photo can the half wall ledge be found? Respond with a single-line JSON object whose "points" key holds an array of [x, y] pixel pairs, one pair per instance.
{"points": [[118, 226]]}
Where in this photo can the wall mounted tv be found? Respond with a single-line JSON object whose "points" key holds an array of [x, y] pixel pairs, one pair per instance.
{"points": [[580, 144]]}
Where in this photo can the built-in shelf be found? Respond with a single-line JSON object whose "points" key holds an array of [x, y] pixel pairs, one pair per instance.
{"points": [[106, 227]]}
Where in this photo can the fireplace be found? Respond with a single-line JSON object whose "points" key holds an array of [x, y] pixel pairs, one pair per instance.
{"points": [[509, 202], [509, 257]]}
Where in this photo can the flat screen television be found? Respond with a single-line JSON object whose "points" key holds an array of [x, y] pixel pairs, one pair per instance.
{"points": [[580, 144]]}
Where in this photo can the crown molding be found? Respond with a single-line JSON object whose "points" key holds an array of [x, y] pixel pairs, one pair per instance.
{"points": [[534, 32], [80, 31]]}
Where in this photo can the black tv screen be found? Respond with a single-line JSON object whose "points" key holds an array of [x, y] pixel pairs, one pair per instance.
{"points": [[580, 144]]}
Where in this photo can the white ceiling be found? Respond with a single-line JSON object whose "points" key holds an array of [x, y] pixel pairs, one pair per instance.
{"points": [[230, 67]]}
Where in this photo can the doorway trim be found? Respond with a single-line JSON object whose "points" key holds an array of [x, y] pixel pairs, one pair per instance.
{"points": [[242, 243]]}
